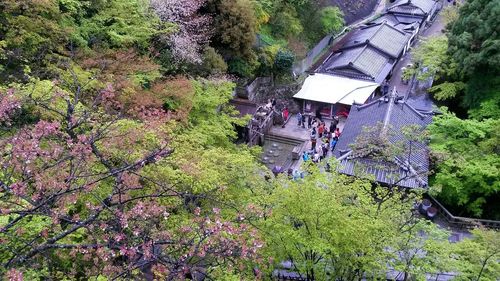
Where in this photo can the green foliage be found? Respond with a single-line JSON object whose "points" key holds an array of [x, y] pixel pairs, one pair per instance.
{"points": [[119, 23], [487, 109], [481, 87], [328, 225], [332, 19], [432, 56], [474, 38], [466, 152], [286, 23], [213, 63], [55, 51], [283, 61], [242, 68], [236, 26], [479, 255], [447, 90], [29, 33]]}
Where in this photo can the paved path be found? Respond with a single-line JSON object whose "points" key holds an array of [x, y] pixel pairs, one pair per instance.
{"points": [[435, 29]]}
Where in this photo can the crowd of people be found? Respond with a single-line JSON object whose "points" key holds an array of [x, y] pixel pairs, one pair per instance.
{"points": [[323, 138]]}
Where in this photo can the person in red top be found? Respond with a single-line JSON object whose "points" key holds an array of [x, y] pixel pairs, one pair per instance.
{"points": [[285, 113], [337, 132], [321, 130]]}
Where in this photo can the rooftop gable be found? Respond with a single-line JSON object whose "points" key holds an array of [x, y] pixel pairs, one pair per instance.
{"points": [[388, 112], [413, 7], [382, 36], [364, 62]]}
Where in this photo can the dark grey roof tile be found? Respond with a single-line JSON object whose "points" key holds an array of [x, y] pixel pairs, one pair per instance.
{"points": [[401, 115]]}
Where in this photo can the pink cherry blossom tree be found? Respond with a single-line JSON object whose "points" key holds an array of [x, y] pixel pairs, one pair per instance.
{"points": [[192, 28], [77, 184]]}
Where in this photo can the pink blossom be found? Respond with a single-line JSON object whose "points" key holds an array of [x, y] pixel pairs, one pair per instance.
{"points": [[18, 188], [8, 105], [14, 275]]}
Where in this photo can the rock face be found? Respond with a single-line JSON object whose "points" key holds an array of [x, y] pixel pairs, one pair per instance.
{"points": [[353, 9]]}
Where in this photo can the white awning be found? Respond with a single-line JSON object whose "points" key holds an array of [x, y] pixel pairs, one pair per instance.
{"points": [[334, 89]]}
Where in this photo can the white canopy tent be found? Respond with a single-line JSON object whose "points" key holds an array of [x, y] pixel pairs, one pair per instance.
{"points": [[334, 89]]}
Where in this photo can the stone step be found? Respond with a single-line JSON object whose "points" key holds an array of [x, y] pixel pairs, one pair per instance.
{"points": [[283, 139]]}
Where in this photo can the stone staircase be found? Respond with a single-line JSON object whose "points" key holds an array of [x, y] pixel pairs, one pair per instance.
{"points": [[282, 139]]}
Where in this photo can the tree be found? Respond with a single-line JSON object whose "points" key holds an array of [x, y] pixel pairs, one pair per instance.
{"points": [[474, 41], [329, 226], [193, 28], [29, 33], [283, 62], [432, 56], [422, 249], [332, 19], [285, 23], [92, 185], [118, 24], [213, 63], [478, 255], [466, 154], [236, 26]]}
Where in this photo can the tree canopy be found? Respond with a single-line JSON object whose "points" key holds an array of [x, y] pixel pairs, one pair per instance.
{"points": [[119, 156]]}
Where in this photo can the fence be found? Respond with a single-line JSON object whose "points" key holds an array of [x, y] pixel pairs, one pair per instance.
{"points": [[303, 65], [462, 222], [256, 134]]}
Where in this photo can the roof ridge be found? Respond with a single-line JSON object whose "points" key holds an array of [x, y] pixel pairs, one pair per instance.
{"points": [[362, 87], [419, 114], [392, 98], [394, 28], [363, 106]]}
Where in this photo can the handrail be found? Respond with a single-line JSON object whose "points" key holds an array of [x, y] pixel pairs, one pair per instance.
{"points": [[463, 221]]}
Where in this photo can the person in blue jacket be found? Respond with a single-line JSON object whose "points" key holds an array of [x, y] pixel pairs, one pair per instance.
{"points": [[305, 156], [333, 143]]}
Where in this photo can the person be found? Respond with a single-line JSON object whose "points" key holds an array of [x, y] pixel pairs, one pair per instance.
{"points": [[316, 158], [385, 87], [273, 102], [321, 129], [299, 119], [318, 113], [304, 120], [309, 120], [269, 104], [285, 114], [337, 132], [305, 156], [325, 149], [333, 126], [313, 143], [320, 152], [328, 136], [333, 143], [313, 133]]}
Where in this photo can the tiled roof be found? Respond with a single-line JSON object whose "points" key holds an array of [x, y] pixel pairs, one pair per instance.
{"points": [[364, 62], [382, 36], [408, 172], [369, 53], [413, 7]]}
